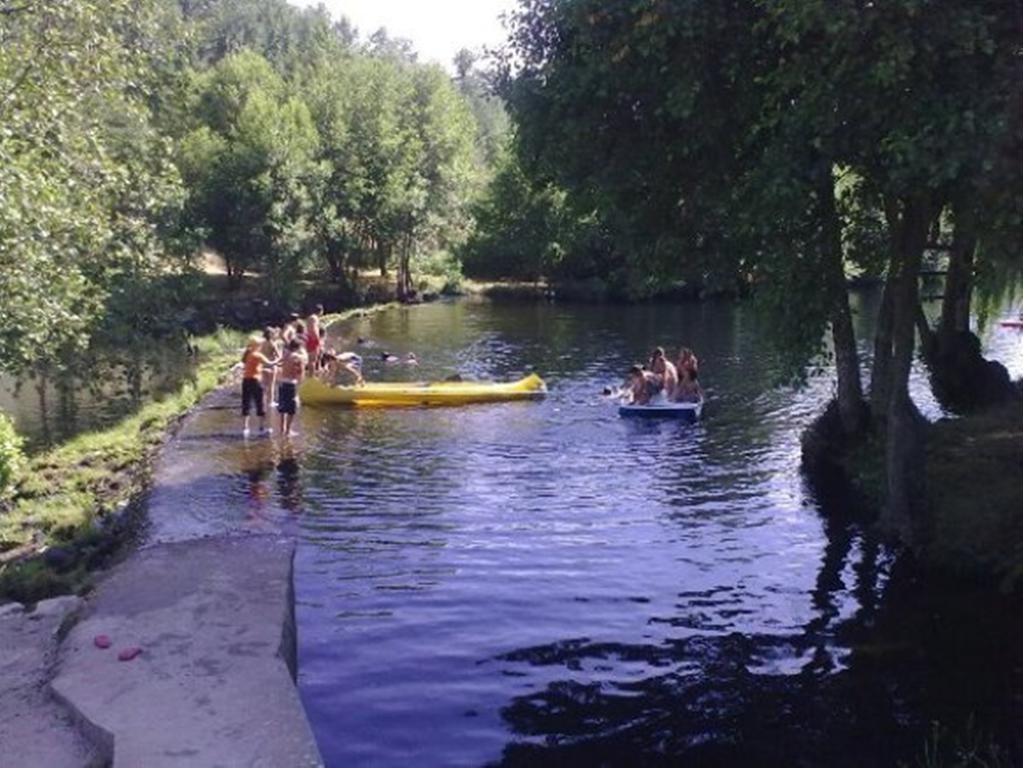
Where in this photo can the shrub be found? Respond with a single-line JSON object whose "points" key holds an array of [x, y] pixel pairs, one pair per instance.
{"points": [[440, 264], [11, 457]]}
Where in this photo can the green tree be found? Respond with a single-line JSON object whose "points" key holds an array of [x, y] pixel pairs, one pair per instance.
{"points": [[711, 136], [491, 117], [251, 166], [916, 98], [518, 228], [87, 188]]}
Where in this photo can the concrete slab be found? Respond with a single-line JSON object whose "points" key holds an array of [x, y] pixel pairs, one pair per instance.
{"points": [[35, 731], [214, 683]]}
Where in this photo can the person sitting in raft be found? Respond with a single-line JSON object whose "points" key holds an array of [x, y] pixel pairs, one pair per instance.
{"points": [[643, 385], [293, 367], [253, 364], [688, 360], [664, 370], [688, 389]]}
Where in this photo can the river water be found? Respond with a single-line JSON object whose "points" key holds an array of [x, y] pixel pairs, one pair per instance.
{"points": [[97, 393], [547, 584]]}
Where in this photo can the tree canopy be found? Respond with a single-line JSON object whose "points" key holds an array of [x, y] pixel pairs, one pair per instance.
{"points": [[135, 132], [780, 145]]}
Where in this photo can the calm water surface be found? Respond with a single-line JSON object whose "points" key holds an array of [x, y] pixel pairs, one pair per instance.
{"points": [[97, 393], [547, 584]]}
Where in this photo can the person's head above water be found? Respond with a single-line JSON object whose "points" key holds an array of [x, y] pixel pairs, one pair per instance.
{"points": [[636, 371]]}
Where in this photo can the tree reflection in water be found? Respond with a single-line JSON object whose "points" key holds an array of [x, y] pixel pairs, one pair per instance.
{"points": [[712, 700]]}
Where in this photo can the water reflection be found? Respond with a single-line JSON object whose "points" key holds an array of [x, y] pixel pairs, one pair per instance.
{"points": [[855, 687], [544, 583], [50, 406]]}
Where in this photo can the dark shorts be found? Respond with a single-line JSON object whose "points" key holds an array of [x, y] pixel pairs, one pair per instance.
{"points": [[287, 398], [252, 394]]}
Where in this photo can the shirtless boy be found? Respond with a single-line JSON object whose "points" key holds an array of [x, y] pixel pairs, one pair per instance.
{"points": [[253, 364], [665, 370], [292, 370]]}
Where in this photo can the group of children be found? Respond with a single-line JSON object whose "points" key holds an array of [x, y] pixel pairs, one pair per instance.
{"points": [[274, 365], [676, 381]]}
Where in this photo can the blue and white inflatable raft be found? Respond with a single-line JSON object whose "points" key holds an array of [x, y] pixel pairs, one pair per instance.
{"points": [[663, 410]]}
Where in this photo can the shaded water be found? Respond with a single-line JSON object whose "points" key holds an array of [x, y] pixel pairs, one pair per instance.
{"points": [[545, 583], [99, 391]]}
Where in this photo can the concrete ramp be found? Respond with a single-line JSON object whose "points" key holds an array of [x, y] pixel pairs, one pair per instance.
{"points": [[213, 684]]}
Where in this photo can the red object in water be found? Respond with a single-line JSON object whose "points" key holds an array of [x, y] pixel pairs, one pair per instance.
{"points": [[128, 654], [102, 641]]}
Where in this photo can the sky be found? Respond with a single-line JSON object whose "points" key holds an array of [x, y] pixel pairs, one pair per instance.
{"points": [[437, 28]]}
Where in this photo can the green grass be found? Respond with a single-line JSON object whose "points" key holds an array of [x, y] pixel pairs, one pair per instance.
{"points": [[968, 747], [67, 493]]}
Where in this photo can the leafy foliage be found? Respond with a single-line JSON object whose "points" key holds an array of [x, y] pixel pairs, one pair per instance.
{"points": [[87, 184], [134, 131], [11, 457], [251, 166]]}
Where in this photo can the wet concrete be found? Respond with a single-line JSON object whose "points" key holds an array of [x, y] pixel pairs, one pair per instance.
{"points": [[197, 464], [207, 600]]}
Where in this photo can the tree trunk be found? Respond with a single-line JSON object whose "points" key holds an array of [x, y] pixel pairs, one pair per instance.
{"points": [[904, 456], [927, 336], [880, 375], [235, 272], [955, 305], [336, 265], [44, 409], [382, 258], [404, 276], [851, 406]]}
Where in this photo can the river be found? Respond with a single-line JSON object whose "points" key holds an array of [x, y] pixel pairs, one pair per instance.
{"points": [[548, 584]]}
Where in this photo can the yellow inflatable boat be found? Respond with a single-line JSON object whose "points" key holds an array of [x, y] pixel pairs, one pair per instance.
{"points": [[385, 395]]}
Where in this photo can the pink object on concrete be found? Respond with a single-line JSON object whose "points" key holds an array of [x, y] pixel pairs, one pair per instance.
{"points": [[129, 653], [102, 641]]}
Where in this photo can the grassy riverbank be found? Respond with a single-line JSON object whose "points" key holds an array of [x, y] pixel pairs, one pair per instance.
{"points": [[975, 479], [974, 524]]}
